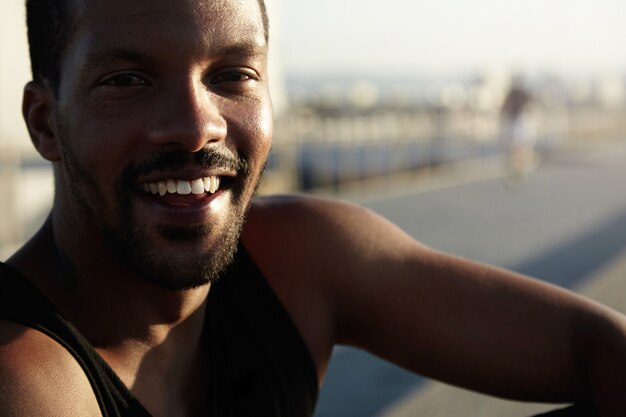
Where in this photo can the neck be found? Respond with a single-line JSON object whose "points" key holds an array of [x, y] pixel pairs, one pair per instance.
{"points": [[99, 295], [151, 337]]}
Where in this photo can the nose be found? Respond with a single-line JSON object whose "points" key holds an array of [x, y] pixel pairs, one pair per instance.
{"points": [[188, 117]]}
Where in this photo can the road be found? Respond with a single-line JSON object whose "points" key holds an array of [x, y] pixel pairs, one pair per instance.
{"points": [[564, 225]]}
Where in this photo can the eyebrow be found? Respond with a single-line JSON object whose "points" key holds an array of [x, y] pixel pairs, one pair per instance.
{"points": [[246, 48], [94, 60]]}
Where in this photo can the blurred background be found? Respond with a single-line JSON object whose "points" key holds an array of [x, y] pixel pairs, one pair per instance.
{"points": [[492, 129]]}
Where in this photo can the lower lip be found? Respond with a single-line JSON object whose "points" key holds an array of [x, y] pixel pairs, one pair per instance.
{"points": [[186, 209]]}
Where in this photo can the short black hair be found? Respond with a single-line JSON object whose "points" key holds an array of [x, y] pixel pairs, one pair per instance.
{"points": [[51, 24]]}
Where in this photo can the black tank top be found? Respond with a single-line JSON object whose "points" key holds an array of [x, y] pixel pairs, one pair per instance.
{"points": [[258, 364]]}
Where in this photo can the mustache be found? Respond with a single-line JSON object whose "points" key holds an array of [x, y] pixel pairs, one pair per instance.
{"points": [[208, 158]]}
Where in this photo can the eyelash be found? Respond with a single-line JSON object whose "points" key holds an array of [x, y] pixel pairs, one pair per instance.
{"points": [[241, 76], [113, 81], [134, 80]]}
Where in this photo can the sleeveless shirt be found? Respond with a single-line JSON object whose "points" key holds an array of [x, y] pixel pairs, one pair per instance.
{"points": [[258, 364]]}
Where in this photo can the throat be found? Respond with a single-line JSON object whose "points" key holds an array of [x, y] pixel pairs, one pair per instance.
{"points": [[167, 381]]}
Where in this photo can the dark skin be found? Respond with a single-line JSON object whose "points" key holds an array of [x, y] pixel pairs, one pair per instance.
{"points": [[130, 89]]}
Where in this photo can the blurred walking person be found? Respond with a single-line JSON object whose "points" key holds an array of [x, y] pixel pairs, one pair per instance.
{"points": [[519, 131]]}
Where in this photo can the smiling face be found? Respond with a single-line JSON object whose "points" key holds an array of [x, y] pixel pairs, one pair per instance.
{"points": [[164, 123]]}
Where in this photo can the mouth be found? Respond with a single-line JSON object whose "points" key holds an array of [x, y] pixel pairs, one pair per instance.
{"points": [[181, 199], [198, 186]]}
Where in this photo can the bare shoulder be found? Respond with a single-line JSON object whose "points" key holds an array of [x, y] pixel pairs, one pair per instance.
{"points": [[314, 251], [299, 208], [39, 377], [312, 221], [333, 241]]}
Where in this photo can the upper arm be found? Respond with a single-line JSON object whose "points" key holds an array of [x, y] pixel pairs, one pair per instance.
{"points": [[452, 319], [38, 377], [325, 260]]}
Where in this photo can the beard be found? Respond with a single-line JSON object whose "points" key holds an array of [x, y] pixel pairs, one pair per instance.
{"points": [[171, 270], [132, 245]]}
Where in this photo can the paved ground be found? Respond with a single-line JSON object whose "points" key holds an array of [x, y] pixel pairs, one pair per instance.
{"points": [[566, 225]]}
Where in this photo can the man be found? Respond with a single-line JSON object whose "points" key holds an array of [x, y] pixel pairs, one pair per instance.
{"points": [[518, 128], [156, 117]]}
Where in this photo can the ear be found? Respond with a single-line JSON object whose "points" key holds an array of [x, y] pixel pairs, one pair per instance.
{"points": [[38, 104]]}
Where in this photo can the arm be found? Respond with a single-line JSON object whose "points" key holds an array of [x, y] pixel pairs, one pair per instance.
{"points": [[468, 324], [40, 378]]}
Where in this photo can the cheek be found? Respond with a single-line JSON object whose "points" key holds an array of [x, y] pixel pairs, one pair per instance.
{"points": [[265, 126], [100, 155], [252, 137], [96, 132], [106, 143]]}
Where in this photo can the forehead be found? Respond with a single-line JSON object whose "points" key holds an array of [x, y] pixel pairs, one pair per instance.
{"points": [[167, 22]]}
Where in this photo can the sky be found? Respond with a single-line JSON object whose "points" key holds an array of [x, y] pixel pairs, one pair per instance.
{"points": [[450, 36]]}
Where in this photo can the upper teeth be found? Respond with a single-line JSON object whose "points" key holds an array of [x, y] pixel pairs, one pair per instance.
{"points": [[198, 186]]}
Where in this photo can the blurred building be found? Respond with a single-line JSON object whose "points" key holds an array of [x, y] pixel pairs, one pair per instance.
{"points": [[278, 88], [14, 72], [14, 143]]}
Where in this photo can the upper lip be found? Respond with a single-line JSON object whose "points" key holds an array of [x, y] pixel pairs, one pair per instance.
{"points": [[185, 175]]}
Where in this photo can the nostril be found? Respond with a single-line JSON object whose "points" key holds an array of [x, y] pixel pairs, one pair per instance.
{"points": [[189, 121]]}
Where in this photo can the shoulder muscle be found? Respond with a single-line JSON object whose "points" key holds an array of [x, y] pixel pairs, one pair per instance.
{"points": [[39, 377], [313, 251]]}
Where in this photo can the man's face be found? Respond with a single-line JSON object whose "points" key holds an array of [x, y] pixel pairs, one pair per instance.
{"points": [[159, 101]]}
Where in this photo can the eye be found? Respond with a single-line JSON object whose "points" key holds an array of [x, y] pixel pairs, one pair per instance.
{"points": [[125, 80], [232, 76]]}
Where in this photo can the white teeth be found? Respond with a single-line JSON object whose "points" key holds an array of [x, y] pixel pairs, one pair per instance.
{"points": [[162, 188], [215, 183], [171, 186], [183, 187], [197, 186]]}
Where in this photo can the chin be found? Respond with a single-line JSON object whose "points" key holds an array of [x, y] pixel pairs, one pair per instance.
{"points": [[177, 258], [180, 269]]}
